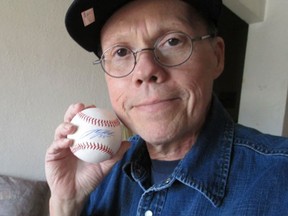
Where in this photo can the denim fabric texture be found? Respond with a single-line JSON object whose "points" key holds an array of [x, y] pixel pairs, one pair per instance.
{"points": [[231, 170]]}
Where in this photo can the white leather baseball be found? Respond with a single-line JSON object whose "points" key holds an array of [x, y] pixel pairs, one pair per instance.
{"points": [[98, 136]]}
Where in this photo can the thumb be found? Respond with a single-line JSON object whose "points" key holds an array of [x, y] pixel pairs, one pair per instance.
{"points": [[108, 164]]}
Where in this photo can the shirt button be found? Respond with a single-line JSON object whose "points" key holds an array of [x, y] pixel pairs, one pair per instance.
{"points": [[149, 213]]}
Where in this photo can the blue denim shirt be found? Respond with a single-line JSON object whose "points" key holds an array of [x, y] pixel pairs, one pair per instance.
{"points": [[231, 170]]}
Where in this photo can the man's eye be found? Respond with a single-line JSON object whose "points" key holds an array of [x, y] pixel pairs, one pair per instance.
{"points": [[173, 41], [122, 52]]}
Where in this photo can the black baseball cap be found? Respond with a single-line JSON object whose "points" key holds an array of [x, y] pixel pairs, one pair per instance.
{"points": [[85, 18]]}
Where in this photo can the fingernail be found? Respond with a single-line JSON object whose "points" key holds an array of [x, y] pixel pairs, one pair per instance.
{"points": [[67, 127], [70, 141]]}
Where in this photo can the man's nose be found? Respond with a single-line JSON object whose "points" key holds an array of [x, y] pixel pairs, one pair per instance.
{"points": [[147, 70]]}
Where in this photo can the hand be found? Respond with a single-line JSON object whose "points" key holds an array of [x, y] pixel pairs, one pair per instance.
{"points": [[70, 179]]}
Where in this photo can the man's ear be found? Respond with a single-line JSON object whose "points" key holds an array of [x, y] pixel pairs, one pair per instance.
{"points": [[219, 49]]}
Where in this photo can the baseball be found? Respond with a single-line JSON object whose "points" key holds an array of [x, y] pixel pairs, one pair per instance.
{"points": [[98, 136]]}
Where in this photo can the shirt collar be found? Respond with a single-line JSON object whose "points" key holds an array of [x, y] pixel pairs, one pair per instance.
{"points": [[206, 166]]}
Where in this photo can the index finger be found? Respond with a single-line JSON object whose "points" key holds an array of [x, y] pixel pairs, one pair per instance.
{"points": [[72, 111]]}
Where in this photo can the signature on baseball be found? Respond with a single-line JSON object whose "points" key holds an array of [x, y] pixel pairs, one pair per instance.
{"points": [[101, 133]]}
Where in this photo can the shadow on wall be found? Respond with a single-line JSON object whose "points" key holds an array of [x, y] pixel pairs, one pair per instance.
{"points": [[228, 86]]}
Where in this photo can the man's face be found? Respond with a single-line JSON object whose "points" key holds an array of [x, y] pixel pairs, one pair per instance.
{"points": [[162, 104]]}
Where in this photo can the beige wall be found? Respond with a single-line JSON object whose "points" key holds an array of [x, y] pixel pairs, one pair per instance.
{"points": [[265, 81], [43, 71]]}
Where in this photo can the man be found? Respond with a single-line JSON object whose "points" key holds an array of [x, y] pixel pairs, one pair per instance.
{"points": [[188, 157]]}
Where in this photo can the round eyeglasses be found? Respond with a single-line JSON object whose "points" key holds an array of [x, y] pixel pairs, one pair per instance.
{"points": [[170, 50]]}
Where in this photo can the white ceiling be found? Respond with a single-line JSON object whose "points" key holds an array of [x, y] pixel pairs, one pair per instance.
{"points": [[251, 11]]}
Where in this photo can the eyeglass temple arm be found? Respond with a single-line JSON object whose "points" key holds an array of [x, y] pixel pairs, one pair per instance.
{"points": [[203, 37], [97, 61]]}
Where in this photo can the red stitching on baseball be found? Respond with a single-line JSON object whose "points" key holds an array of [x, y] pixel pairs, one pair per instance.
{"points": [[99, 122], [92, 146]]}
